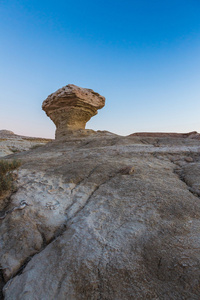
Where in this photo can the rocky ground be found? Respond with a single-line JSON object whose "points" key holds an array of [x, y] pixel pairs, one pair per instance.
{"points": [[12, 143], [107, 217]]}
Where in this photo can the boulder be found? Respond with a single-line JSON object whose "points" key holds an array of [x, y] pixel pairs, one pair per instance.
{"points": [[71, 107]]}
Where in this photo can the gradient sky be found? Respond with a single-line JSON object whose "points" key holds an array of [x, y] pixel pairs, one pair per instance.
{"points": [[143, 56]]}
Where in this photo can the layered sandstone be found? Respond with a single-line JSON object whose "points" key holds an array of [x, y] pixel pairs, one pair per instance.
{"points": [[71, 107]]}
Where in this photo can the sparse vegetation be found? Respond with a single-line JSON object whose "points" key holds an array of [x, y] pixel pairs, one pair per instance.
{"points": [[6, 174], [37, 140], [36, 146], [14, 150]]}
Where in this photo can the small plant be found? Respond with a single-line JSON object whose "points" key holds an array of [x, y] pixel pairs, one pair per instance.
{"points": [[6, 174], [14, 150], [36, 146]]}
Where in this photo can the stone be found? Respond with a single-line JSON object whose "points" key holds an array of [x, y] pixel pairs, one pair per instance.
{"points": [[5, 132], [193, 134], [71, 107], [12, 143], [109, 217], [127, 170], [189, 159]]}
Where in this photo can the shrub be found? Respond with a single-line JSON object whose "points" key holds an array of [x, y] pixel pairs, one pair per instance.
{"points": [[6, 174], [36, 146]]}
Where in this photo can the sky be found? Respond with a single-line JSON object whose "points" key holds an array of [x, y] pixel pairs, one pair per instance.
{"points": [[143, 56]]}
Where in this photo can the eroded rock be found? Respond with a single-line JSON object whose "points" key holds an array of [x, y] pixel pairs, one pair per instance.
{"points": [[71, 107], [111, 218], [193, 134], [5, 132], [12, 143]]}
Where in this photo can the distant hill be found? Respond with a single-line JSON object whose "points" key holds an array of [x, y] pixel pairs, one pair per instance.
{"points": [[11, 143]]}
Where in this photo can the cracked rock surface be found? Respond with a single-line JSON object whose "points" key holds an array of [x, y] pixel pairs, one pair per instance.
{"points": [[109, 217]]}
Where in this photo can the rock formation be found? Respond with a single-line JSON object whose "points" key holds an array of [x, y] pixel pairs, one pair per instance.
{"points": [[5, 132], [11, 143], [102, 216], [71, 107], [193, 134], [108, 217]]}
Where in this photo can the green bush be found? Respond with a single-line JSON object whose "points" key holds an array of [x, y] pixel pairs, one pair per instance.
{"points": [[6, 174]]}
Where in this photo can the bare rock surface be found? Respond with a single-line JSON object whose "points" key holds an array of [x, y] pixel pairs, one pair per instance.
{"points": [[11, 143], [193, 134], [71, 107], [5, 132], [108, 217]]}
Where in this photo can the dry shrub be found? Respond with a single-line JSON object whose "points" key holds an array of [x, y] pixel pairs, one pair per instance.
{"points": [[6, 174]]}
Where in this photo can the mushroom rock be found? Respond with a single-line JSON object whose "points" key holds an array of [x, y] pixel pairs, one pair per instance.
{"points": [[71, 107]]}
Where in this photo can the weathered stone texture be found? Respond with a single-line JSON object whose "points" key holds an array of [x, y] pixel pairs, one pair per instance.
{"points": [[109, 217], [71, 107], [11, 143]]}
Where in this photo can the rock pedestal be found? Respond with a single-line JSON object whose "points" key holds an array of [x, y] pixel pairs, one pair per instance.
{"points": [[71, 107]]}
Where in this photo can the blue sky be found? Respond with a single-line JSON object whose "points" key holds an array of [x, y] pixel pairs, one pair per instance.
{"points": [[143, 56]]}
